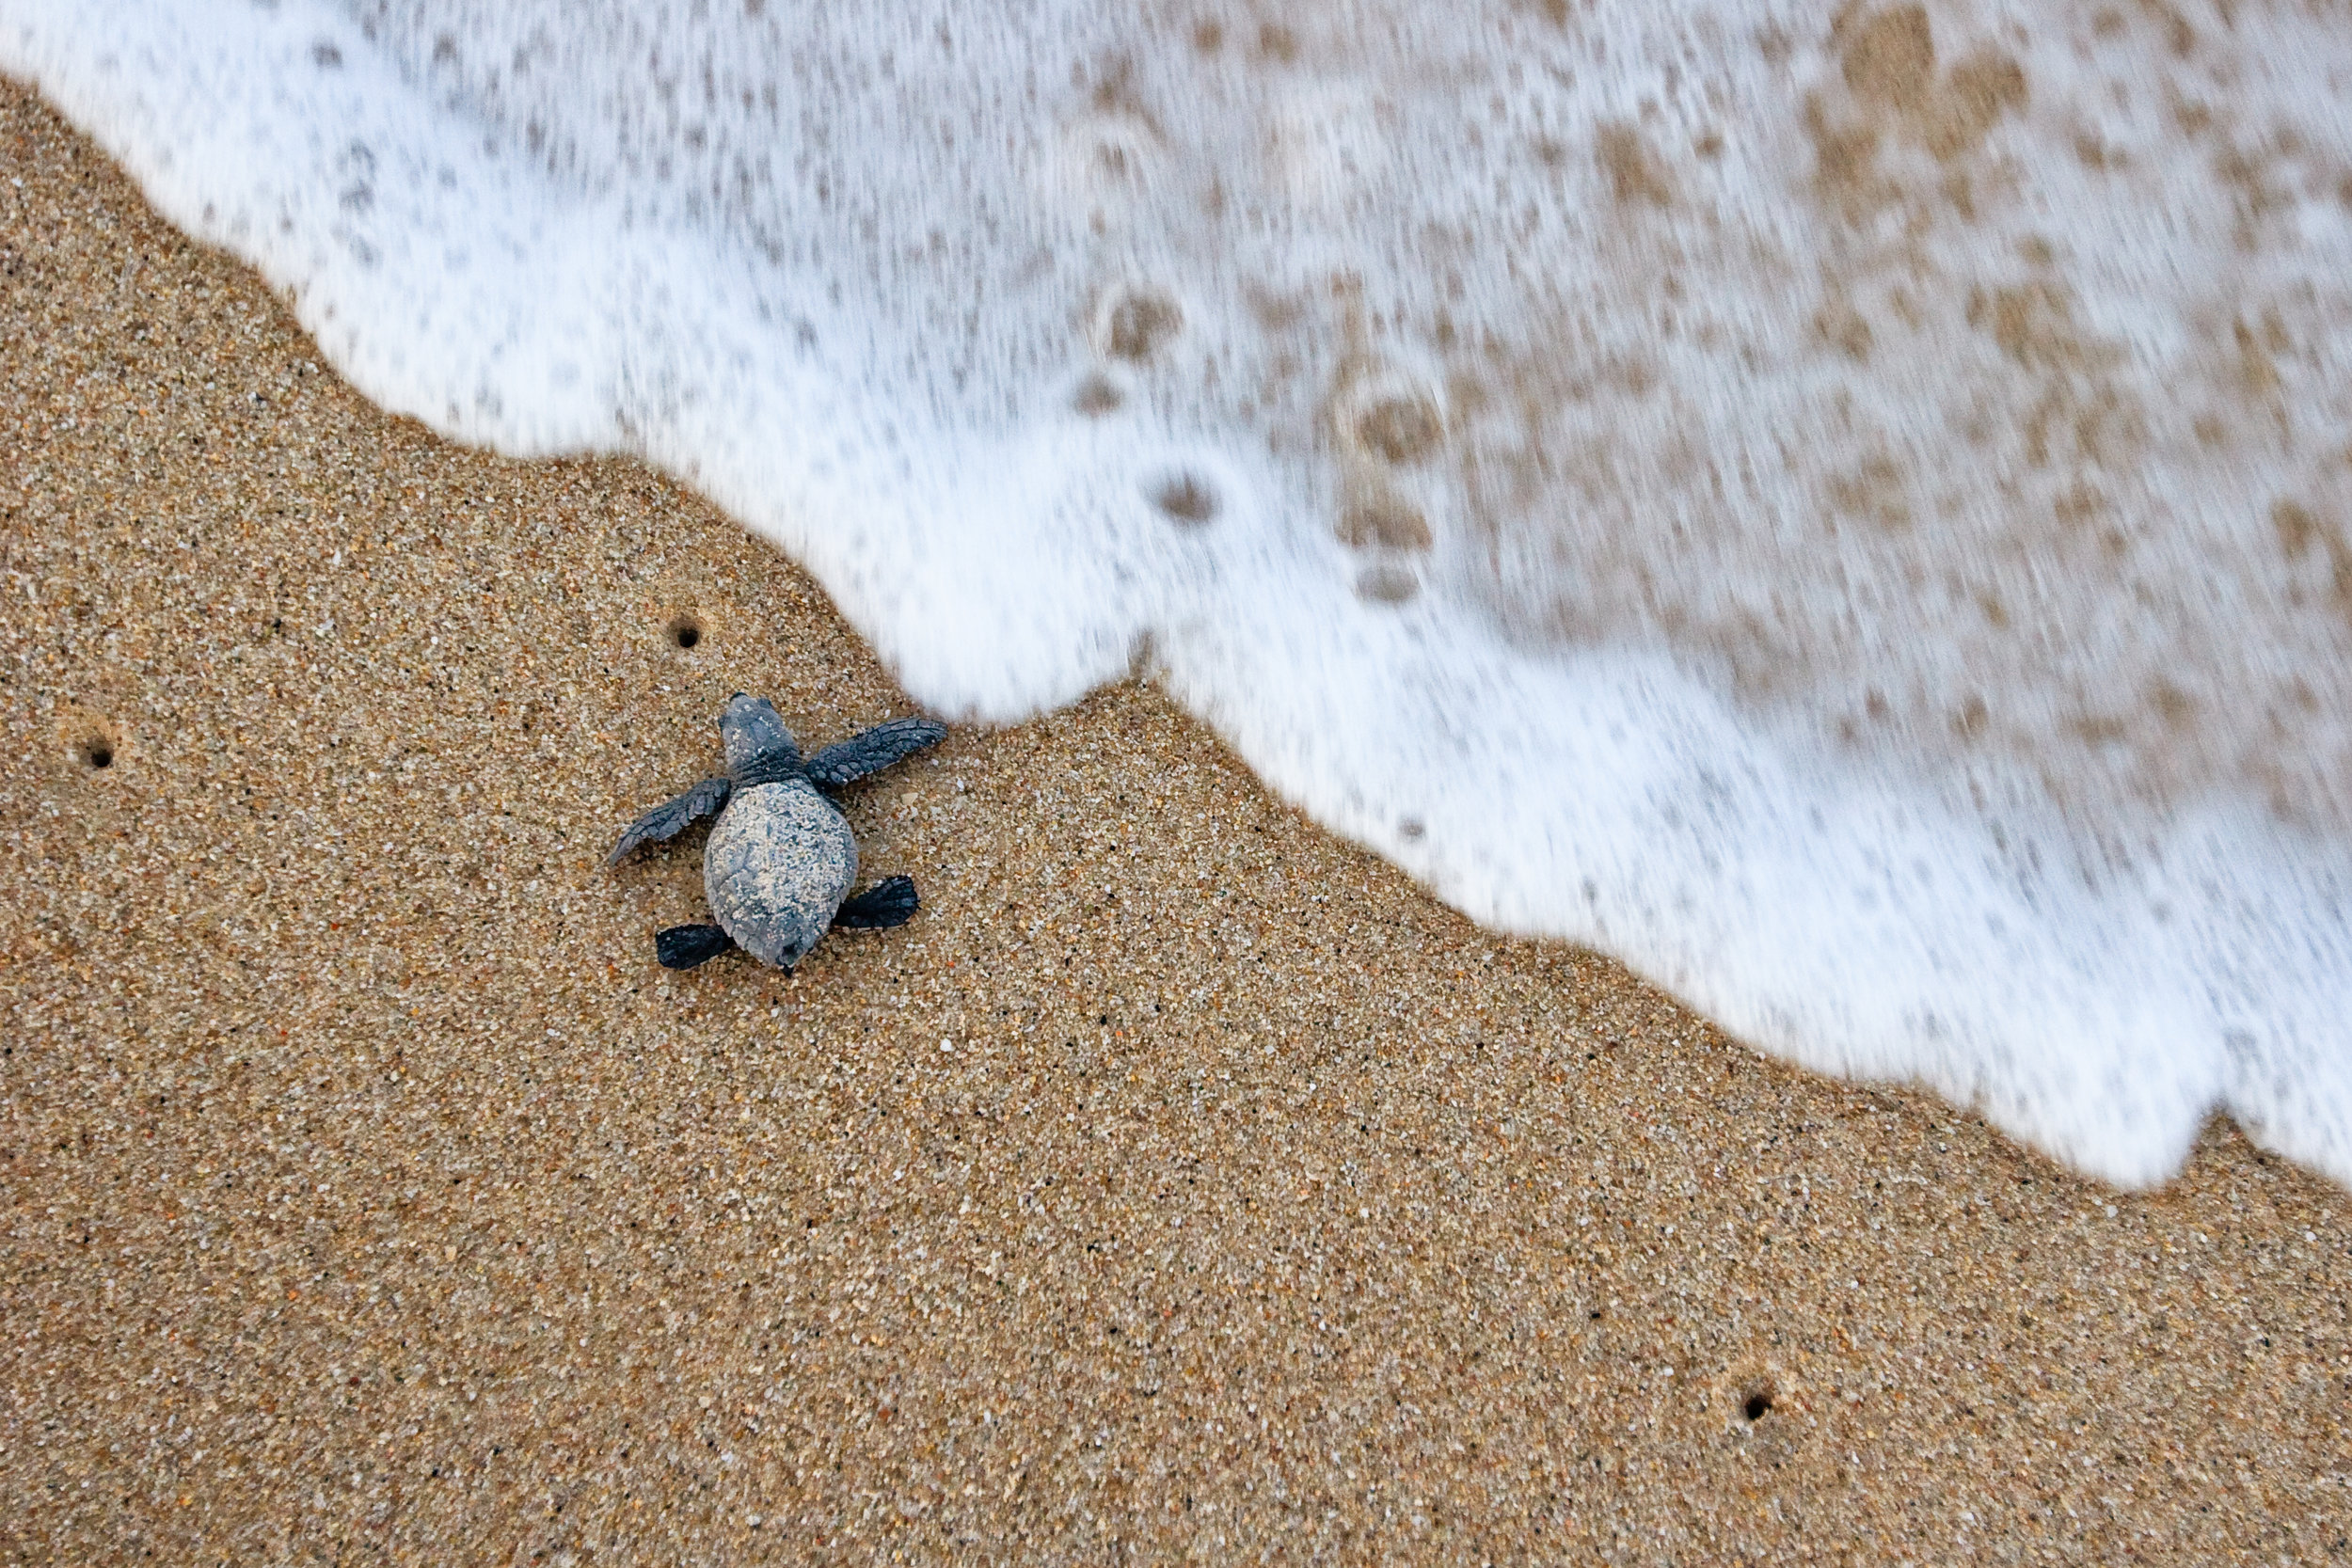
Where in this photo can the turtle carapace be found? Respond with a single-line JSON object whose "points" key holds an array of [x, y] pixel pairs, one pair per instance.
{"points": [[781, 859]]}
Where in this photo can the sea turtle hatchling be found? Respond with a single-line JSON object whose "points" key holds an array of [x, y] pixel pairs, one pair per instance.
{"points": [[781, 857]]}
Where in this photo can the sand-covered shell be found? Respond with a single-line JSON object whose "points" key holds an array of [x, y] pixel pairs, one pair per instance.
{"points": [[778, 864]]}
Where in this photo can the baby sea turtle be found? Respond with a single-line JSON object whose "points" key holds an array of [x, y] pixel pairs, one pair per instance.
{"points": [[781, 857]]}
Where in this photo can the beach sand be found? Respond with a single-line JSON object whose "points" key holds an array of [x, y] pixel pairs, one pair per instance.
{"points": [[1183, 1182]]}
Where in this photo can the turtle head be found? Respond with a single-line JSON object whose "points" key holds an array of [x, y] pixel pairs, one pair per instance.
{"points": [[758, 747]]}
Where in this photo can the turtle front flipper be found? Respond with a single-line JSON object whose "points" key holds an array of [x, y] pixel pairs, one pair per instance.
{"points": [[872, 751], [683, 946], [887, 903], [670, 818]]}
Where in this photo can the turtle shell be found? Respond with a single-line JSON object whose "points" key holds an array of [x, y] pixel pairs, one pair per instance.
{"points": [[779, 862]]}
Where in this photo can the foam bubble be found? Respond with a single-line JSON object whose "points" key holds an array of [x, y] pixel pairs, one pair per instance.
{"points": [[1854, 516]]}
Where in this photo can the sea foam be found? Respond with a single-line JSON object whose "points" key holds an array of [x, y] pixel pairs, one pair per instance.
{"points": [[1853, 515]]}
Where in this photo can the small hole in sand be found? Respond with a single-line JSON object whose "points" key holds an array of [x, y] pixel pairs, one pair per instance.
{"points": [[1096, 396], [1184, 499], [91, 741], [686, 632], [1758, 1403]]}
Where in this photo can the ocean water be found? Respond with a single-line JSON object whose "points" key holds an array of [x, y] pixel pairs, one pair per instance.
{"points": [[1850, 513]]}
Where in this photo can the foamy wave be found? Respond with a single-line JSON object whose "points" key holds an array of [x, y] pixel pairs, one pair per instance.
{"points": [[1854, 518]]}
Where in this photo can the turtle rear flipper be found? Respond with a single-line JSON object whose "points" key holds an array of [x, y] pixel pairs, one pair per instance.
{"points": [[887, 903], [670, 818], [872, 751], [683, 946]]}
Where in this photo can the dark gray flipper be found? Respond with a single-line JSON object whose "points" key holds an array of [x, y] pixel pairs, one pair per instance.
{"points": [[872, 751], [887, 903], [683, 946], [670, 818]]}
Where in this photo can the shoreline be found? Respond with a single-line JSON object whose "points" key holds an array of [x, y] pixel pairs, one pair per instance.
{"points": [[1181, 1181]]}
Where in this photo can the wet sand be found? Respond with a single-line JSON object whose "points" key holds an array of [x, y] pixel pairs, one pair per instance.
{"points": [[1182, 1182]]}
